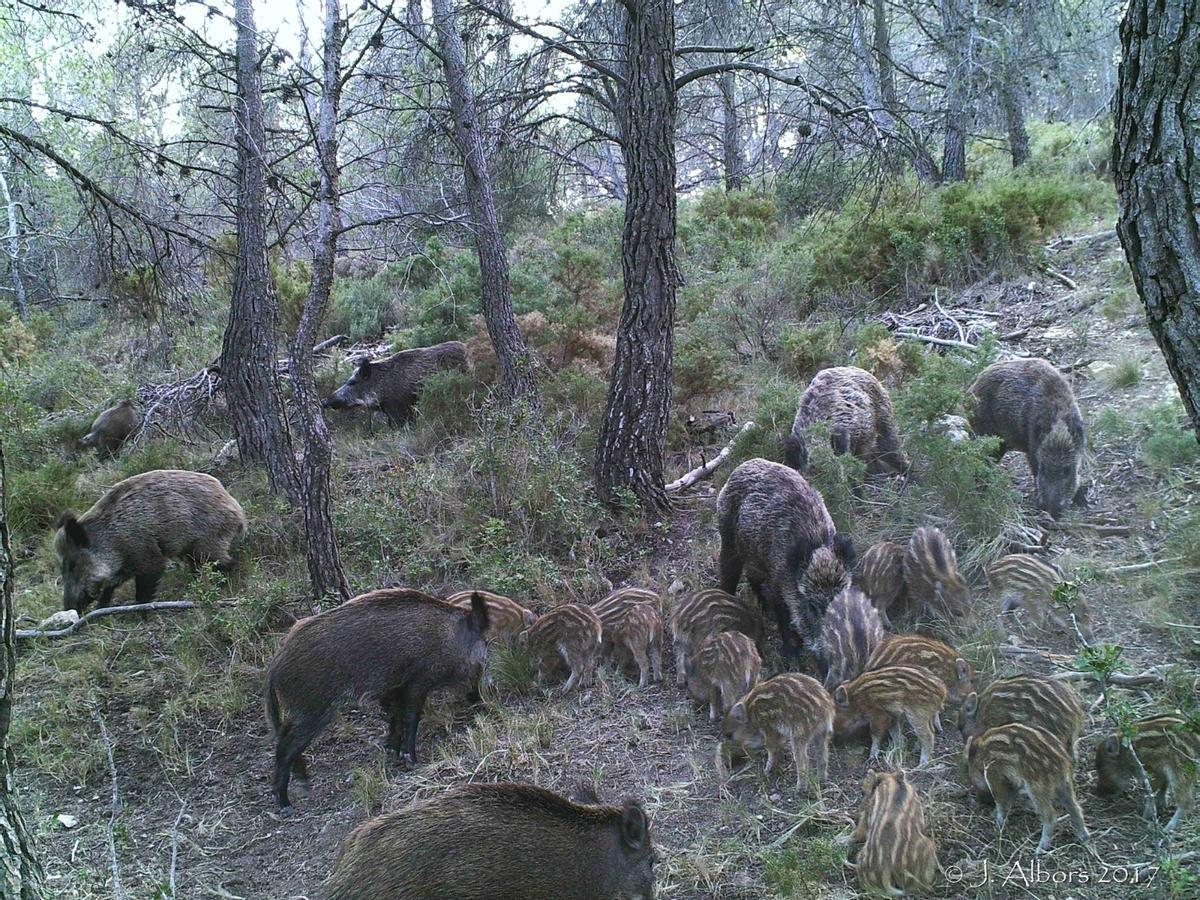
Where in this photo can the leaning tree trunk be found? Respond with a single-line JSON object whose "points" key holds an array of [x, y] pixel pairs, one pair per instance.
{"points": [[731, 144], [517, 369], [21, 876], [248, 372], [321, 547], [633, 433], [957, 49], [1156, 164]]}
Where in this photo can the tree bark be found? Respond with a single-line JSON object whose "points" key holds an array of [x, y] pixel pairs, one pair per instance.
{"points": [[14, 249], [321, 547], [517, 365], [957, 50], [869, 82], [731, 145], [1012, 102], [248, 371], [882, 45], [21, 876], [1156, 164], [633, 433]]}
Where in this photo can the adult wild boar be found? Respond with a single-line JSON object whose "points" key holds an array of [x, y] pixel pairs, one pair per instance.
{"points": [[1029, 405], [773, 524], [137, 526], [112, 427], [393, 384], [499, 842]]}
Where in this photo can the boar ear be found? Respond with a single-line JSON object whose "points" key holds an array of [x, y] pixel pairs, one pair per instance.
{"points": [[869, 783], [841, 696], [477, 617], [843, 549], [584, 791], [1111, 746], [364, 368], [971, 704], [634, 825], [962, 669], [738, 712], [74, 530]]}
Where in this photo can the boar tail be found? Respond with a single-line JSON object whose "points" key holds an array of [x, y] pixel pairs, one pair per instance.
{"points": [[273, 718]]}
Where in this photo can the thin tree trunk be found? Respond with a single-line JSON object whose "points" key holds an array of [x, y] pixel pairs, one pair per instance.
{"points": [[321, 547], [633, 433], [957, 48], [248, 372], [517, 365], [869, 82], [882, 45], [1012, 102], [21, 876], [1156, 146], [731, 144], [14, 250]]}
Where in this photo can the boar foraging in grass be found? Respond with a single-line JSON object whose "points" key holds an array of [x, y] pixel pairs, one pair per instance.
{"points": [[927, 653], [931, 577], [393, 384], [112, 427], [882, 578], [137, 526], [499, 842], [394, 645], [1169, 753], [882, 697], [705, 613], [849, 633], [1039, 588], [789, 708], [1053, 706], [722, 671], [860, 415], [506, 618], [772, 524], [1030, 406], [896, 856], [631, 630], [569, 634], [1012, 759]]}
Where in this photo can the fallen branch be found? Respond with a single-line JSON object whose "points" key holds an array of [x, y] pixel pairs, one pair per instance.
{"points": [[1150, 676], [328, 342], [1141, 567], [686, 481], [175, 847], [1061, 278], [941, 342], [159, 605], [118, 894], [1100, 530]]}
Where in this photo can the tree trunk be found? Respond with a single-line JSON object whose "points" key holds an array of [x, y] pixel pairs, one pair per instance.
{"points": [[1012, 101], [1156, 146], [957, 50], [517, 365], [248, 372], [633, 433], [14, 249], [731, 145], [869, 82], [321, 547], [21, 876], [882, 45]]}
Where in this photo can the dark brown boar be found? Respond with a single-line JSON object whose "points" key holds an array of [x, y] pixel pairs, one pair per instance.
{"points": [[394, 645], [1029, 405], [506, 618], [137, 526], [882, 578], [393, 384], [860, 416], [705, 613], [1168, 751], [896, 856], [850, 632], [931, 578], [112, 427], [772, 523], [499, 842]]}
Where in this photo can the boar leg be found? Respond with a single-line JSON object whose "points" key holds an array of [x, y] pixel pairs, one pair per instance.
{"points": [[680, 663], [145, 586], [1066, 796], [924, 731], [105, 598], [294, 737], [715, 705], [730, 565], [769, 597], [656, 657], [413, 704], [800, 761], [642, 658], [820, 743]]}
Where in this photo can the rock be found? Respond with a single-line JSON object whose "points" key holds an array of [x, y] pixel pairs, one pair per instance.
{"points": [[677, 587], [67, 821], [61, 619]]}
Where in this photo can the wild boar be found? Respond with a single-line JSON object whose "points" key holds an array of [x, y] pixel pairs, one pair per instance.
{"points": [[931, 576], [849, 633], [631, 622], [882, 697], [569, 634], [1168, 751], [137, 526], [393, 384], [1029, 405], [499, 842], [722, 671], [394, 645], [927, 653], [112, 427], [772, 523], [860, 416], [506, 618], [882, 578], [1027, 583], [792, 708], [705, 613], [897, 856], [1012, 759], [1051, 705]]}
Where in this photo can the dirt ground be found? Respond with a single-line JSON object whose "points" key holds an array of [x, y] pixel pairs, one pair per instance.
{"points": [[748, 837]]}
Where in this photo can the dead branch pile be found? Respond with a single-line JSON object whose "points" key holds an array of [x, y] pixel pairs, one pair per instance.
{"points": [[172, 408], [933, 323]]}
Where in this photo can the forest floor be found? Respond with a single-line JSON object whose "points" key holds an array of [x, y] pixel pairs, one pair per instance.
{"points": [[746, 837]]}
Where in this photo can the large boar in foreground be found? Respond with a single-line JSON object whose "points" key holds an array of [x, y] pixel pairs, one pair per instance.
{"points": [[499, 842], [1029, 405], [137, 526], [393, 384], [112, 427], [395, 646], [860, 416], [772, 523]]}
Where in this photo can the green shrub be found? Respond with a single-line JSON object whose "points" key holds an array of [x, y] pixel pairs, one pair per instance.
{"points": [[36, 497], [805, 351], [1169, 443], [445, 402], [775, 400], [363, 309], [1125, 373], [704, 365]]}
